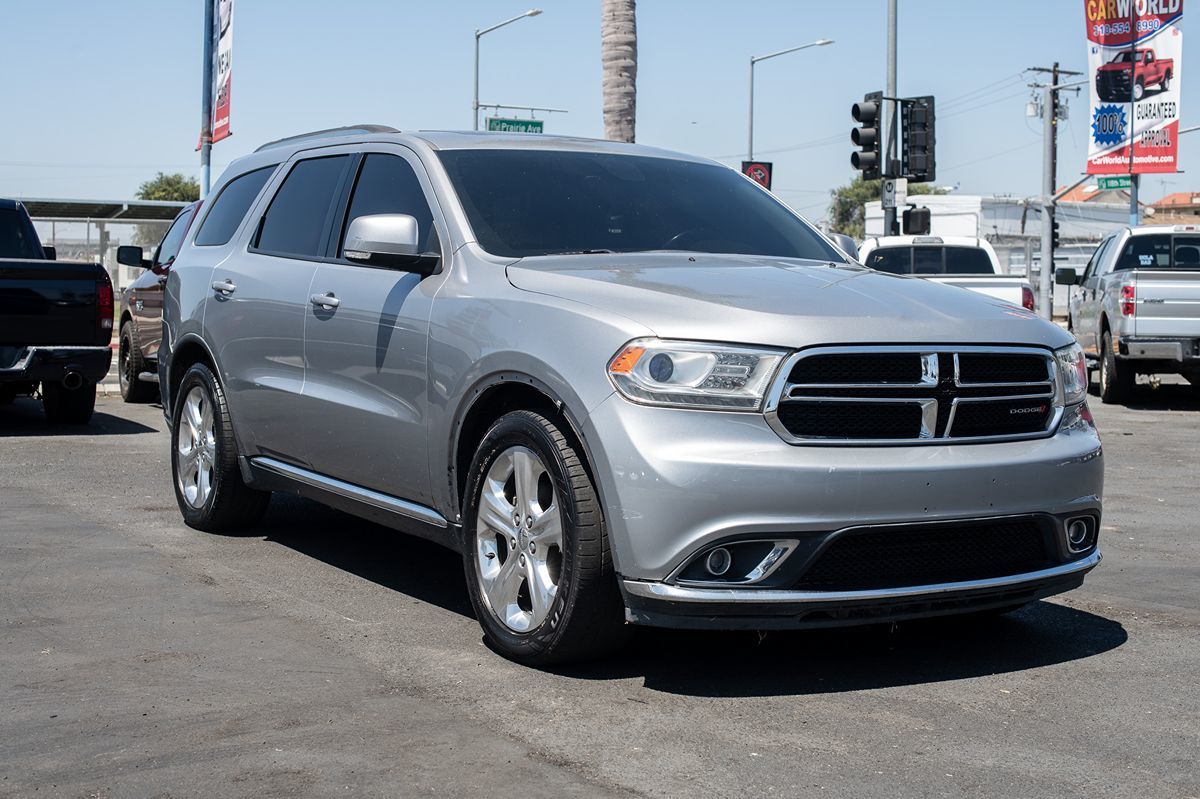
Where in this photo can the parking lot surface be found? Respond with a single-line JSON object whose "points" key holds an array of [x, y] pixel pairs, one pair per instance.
{"points": [[323, 655]]}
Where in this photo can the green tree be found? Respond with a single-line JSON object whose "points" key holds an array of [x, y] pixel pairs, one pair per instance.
{"points": [[176, 187], [847, 213]]}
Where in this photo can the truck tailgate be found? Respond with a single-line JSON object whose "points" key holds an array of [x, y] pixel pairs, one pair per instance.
{"points": [[1168, 303], [50, 303], [1000, 287]]}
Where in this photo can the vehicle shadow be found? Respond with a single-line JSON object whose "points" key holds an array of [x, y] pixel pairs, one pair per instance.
{"points": [[24, 417], [719, 664], [403, 563], [1175, 396], [804, 662]]}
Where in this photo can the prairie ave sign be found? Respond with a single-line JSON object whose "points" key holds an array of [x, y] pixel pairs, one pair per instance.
{"points": [[514, 125]]}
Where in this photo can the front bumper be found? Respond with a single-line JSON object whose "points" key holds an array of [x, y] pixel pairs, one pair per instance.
{"points": [[52, 364], [676, 482], [662, 605]]}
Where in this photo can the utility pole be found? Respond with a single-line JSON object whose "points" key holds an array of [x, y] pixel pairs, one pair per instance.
{"points": [[1049, 184], [206, 102], [889, 119]]}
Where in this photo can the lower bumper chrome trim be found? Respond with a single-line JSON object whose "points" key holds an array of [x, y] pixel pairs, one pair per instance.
{"points": [[676, 593]]}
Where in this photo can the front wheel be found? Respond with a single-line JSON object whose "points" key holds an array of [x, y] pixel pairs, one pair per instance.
{"points": [[537, 561], [1116, 379], [1139, 90], [208, 483]]}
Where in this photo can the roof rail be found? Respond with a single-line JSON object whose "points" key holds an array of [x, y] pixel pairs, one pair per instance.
{"points": [[349, 130]]}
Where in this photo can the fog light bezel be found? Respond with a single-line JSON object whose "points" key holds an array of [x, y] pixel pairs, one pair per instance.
{"points": [[762, 558], [1089, 538]]}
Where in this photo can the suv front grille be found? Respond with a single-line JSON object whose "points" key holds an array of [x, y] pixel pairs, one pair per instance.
{"points": [[890, 395], [898, 557]]}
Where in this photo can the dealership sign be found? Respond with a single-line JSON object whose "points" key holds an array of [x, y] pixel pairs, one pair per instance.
{"points": [[223, 68], [1135, 62]]}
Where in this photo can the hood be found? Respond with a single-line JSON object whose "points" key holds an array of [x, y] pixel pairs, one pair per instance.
{"points": [[779, 302], [1114, 67]]}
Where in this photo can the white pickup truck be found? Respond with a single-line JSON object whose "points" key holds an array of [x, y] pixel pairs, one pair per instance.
{"points": [[962, 261]]}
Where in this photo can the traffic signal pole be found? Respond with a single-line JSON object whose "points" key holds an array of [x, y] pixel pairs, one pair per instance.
{"points": [[890, 125], [206, 102], [1046, 278]]}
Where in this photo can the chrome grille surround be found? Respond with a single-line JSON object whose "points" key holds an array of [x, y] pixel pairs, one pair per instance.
{"points": [[934, 390]]}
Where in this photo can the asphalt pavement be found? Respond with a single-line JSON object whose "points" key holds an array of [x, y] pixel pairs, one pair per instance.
{"points": [[322, 655]]}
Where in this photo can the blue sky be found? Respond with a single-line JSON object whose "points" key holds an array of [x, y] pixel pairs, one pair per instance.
{"points": [[110, 93]]}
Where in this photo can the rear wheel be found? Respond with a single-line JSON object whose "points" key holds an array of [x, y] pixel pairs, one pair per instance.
{"points": [[537, 560], [208, 483], [1116, 378], [64, 405], [1166, 82], [130, 365]]}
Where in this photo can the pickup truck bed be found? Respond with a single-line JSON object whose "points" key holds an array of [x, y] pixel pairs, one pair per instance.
{"points": [[55, 326]]}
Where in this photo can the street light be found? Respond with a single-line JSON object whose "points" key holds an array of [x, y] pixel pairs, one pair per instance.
{"points": [[754, 60], [533, 12]]}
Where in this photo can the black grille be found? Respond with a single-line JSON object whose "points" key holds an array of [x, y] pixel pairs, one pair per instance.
{"points": [[896, 557], [989, 368], [900, 367], [851, 420], [1007, 417]]}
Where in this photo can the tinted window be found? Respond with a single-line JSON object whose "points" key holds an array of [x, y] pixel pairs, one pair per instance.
{"points": [[16, 236], [931, 261], [897, 260], [387, 184], [1145, 252], [298, 216], [169, 247], [968, 261], [539, 202], [231, 205], [1097, 258]]}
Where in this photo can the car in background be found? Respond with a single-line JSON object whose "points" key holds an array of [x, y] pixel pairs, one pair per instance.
{"points": [[141, 310], [1135, 308], [962, 261], [56, 321]]}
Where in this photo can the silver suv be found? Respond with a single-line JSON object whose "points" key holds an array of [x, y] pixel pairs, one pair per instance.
{"points": [[628, 385]]}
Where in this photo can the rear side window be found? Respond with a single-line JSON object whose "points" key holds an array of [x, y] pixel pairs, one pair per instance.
{"points": [[298, 217], [230, 207], [387, 184]]}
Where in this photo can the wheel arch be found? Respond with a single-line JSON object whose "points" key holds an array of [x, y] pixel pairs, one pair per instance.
{"points": [[190, 350]]}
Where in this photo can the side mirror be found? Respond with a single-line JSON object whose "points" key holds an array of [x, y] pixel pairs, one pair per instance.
{"points": [[128, 255], [388, 240], [51, 253], [1066, 276]]}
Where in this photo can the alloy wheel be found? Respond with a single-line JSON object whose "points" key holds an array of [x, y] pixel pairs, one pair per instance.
{"points": [[519, 539], [196, 448]]}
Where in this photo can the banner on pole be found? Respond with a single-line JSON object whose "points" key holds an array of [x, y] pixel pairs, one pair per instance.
{"points": [[223, 68], [1135, 62]]}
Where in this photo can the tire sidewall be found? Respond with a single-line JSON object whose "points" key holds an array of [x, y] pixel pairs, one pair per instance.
{"points": [[124, 353], [200, 375], [518, 429]]}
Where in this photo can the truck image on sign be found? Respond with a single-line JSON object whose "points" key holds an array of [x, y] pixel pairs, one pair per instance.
{"points": [[1140, 66]]}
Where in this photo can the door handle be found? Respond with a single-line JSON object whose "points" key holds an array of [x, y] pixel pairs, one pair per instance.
{"points": [[326, 300], [224, 287]]}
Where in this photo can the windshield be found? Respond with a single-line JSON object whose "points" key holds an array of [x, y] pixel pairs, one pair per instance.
{"points": [[931, 261], [1123, 58], [545, 202]]}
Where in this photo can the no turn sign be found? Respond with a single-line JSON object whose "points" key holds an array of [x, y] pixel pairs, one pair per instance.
{"points": [[759, 172]]}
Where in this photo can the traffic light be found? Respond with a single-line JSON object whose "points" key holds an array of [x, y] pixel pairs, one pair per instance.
{"points": [[917, 142], [866, 136], [1053, 235]]}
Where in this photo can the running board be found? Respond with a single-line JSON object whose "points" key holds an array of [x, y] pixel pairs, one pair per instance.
{"points": [[148, 377], [268, 473]]}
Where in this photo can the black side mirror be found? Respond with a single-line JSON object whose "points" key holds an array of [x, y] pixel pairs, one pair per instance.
{"points": [[51, 253], [129, 255], [1066, 276]]}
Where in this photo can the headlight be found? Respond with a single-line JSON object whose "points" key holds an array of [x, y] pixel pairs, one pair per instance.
{"points": [[691, 374], [1072, 371]]}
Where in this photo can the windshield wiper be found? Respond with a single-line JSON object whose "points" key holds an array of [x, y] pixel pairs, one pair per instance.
{"points": [[597, 251]]}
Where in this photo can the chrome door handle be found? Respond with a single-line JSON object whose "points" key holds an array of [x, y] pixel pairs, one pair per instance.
{"points": [[326, 300], [225, 287]]}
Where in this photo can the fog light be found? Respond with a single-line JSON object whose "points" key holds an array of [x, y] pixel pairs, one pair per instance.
{"points": [[718, 561], [1079, 535]]}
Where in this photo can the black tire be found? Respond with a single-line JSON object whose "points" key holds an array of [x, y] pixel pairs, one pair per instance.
{"points": [[586, 616], [7, 396], [1116, 378], [129, 365], [64, 405], [230, 503]]}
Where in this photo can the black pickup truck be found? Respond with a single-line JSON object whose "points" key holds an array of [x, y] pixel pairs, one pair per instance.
{"points": [[56, 321]]}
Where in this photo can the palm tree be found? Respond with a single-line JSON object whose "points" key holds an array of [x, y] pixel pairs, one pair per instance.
{"points": [[618, 56]]}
